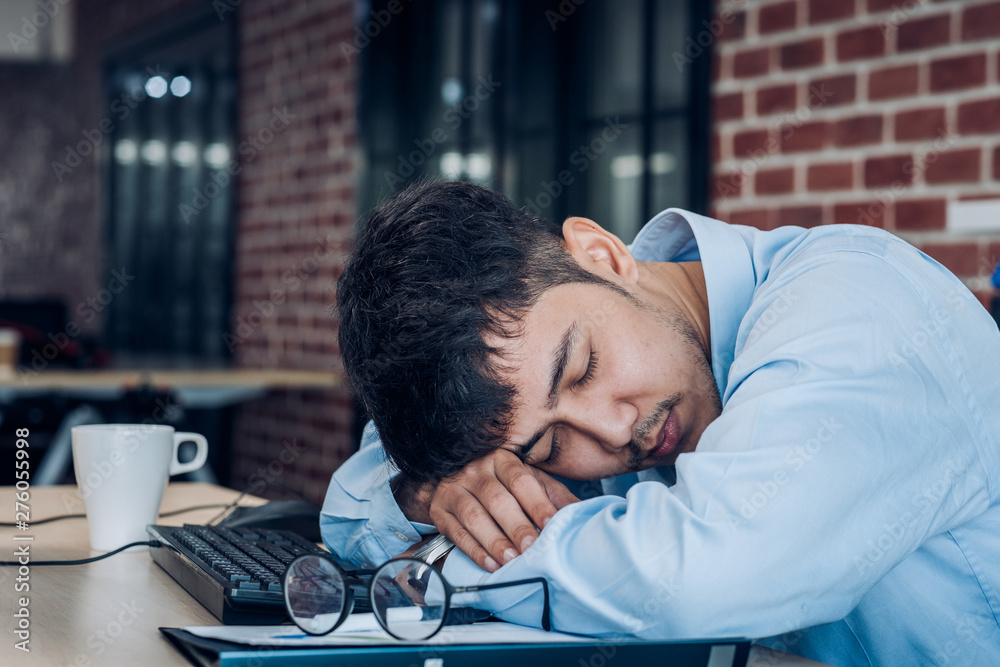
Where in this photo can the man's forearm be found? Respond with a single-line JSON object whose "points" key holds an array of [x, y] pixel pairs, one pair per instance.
{"points": [[414, 499]]}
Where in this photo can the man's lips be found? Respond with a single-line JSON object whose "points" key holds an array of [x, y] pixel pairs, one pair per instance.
{"points": [[667, 438]]}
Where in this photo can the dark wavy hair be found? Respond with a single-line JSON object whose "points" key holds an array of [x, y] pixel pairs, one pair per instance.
{"points": [[435, 269]]}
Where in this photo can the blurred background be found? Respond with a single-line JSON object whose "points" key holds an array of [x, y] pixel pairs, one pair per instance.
{"points": [[180, 180]]}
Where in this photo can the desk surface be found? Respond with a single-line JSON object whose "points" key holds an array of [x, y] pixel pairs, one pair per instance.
{"points": [[263, 378], [109, 612], [103, 613]]}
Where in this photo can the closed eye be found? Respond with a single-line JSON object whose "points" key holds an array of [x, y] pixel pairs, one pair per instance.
{"points": [[554, 448], [591, 370]]}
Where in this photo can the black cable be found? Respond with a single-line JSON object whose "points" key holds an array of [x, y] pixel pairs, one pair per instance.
{"points": [[47, 520], [82, 561], [82, 516]]}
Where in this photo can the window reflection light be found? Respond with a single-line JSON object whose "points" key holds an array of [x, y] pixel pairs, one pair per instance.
{"points": [[126, 151], [156, 86], [153, 151], [184, 153], [479, 166], [217, 155], [451, 165], [630, 166], [180, 86], [662, 163], [626, 166]]}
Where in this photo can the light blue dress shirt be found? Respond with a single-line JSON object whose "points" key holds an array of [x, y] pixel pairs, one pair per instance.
{"points": [[845, 506]]}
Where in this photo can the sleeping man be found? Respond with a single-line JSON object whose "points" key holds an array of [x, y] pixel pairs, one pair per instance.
{"points": [[791, 435]]}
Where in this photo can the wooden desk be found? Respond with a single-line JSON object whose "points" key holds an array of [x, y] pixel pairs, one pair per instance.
{"points": [[103, 613], [109, 612], [260, 378]]}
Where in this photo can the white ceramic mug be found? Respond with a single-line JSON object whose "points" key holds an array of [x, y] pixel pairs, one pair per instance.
{"points": [[121, 471]]}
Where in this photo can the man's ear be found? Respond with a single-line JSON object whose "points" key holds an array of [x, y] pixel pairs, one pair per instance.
{"points": [[598, 250]]}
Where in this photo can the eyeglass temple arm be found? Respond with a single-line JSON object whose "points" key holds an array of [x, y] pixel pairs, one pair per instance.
{"points": [[546, 624]]}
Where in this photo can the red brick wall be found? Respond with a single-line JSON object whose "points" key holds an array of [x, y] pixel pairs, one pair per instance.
{"points": [[297, 206], [875, 112]]}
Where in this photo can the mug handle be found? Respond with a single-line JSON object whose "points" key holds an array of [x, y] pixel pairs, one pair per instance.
{"points": [[178, 468]]}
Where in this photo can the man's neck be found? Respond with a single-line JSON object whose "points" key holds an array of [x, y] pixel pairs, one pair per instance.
{"points": [[679, 286]]}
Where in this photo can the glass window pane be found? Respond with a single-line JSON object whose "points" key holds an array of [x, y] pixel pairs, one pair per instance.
{"points": [[614, 179], [613, 47], [672, 69], [534, 171], [670, 164], [484, 80]]}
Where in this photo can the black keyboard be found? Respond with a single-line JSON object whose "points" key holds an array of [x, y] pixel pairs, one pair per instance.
{"points": [[236, 573]]}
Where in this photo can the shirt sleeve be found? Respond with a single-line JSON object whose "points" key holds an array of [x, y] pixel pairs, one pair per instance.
{"points": [[839, 451], [360, 520]]}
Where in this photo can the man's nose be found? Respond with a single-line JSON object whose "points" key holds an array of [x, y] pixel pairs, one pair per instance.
{"points": [[610, 423]]}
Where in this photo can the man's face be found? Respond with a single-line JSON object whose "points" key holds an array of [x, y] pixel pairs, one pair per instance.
{"points": [[606, 385]]}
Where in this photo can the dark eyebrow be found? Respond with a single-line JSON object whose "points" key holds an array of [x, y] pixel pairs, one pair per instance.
{"points": [[561, 359]]}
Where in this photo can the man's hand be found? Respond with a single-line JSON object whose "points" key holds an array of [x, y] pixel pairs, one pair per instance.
{"points": [[491, 508]]}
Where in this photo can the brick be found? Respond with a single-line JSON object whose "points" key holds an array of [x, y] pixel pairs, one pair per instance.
{"points": [[996, 163], [716, 66], [857, 131], [883, 5], [806, 137], [832, 90], [803, 216], [865, 42], [955, 166], [924, 33], [774, 181], [797, 55], [888, 170], [869, 213], [715, 148], [981, 22], [776, 17], [979, 117], [727, 185], [920, 124], [958, 72], [962, 258], [751, 142], [727, 107], [734, 25], [891, 82], [920, 214], [751, 62], [823, 11], [761, 218], [988, 262], [833, 176], [776, 98]]}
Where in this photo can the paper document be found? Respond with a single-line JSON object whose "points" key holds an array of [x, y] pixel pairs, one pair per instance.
{"points": [[364, 630]]}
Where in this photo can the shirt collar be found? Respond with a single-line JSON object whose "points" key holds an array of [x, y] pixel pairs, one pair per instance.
{"points": [[676, 235]]}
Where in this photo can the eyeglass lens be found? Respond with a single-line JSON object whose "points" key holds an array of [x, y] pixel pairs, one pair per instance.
{"points": [[409, 597], [315, 594]]}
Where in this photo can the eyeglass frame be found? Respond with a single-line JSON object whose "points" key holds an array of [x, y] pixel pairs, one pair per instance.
{"points": [[354, 578]]}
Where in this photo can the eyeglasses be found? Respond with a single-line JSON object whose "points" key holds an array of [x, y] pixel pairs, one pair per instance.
{"points": [[411, 600]]}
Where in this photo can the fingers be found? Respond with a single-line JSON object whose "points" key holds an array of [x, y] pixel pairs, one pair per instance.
{"points": [[508, 513], [493, 508], [533, 501], [558, 494], [451, 526]]}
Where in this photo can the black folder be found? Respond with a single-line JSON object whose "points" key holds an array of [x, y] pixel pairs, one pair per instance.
{"points": [[204, 652]]}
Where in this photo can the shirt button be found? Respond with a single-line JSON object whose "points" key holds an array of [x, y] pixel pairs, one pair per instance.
{"points": [[401, 536]]}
